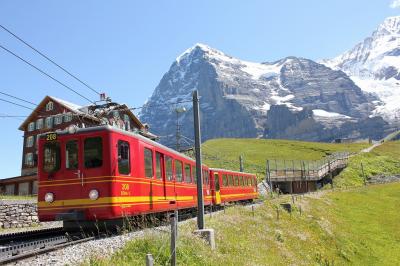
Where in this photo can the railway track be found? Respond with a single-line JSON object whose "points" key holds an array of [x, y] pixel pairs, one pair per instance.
{"points": [[17, 246]]}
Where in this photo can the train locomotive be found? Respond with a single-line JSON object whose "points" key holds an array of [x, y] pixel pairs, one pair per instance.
{"points": [[105, 173]]}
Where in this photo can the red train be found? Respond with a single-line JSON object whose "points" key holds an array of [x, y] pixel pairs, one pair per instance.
{"points": [[104, 173]]}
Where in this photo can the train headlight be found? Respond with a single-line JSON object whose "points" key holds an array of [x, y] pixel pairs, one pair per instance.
{"points": [[72, 129], [49, 197], [93, 194]]}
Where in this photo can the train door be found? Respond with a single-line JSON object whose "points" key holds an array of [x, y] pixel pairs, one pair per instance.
{"points": [[169, 182], [73, 164], [217, 189]]}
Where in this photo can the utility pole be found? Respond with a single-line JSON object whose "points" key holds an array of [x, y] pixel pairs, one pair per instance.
{"points": [[178, 127], [197, 142]]}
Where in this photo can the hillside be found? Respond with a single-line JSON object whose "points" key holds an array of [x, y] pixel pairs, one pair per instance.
{"points": [[357, 226], [384, 160], [224, 153]]}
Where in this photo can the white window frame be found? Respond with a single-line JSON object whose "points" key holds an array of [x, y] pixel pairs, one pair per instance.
{"points": [[29, 141], [49, 106], [58, 119], [68, 117], [39, 123], [29, 159], [49, 122], [31, 126]]}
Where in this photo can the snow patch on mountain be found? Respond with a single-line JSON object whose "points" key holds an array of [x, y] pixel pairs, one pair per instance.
{"points": [[323, 113], [374, 65]]}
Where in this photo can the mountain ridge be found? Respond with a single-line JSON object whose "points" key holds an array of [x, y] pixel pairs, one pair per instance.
{"points": [[293, 97]]}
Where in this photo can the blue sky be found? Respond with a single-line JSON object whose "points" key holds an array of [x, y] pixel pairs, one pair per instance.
{"points": [[124, 47]]}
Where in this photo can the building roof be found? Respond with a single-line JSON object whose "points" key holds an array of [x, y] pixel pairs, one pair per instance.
{"points": [[76, 109]]}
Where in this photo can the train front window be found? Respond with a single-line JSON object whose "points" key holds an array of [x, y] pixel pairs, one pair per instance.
{"points": [[71, 155], [93, 152], [124, 167], [51, 154]]}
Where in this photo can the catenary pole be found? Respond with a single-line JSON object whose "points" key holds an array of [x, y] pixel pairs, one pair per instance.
{"points": [[197, 144]]}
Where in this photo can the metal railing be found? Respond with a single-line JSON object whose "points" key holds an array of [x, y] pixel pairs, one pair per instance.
{"points": [[291, 170]]}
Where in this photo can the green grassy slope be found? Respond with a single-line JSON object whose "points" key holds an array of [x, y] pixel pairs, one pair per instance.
{"points": [[224, 153], [383, 160], [357, 227]]}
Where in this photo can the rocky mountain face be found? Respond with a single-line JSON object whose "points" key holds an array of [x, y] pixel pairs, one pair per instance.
{"points": [[374, 65], [292, 98]]}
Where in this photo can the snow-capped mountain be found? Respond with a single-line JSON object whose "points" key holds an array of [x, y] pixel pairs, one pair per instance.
{"points": [[374, 65], [292, 98]]}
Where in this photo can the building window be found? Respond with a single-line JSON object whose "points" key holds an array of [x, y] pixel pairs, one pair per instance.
{"points": [[67, 117], [39, 123], [58, 119], [29, 141], [148, 162], [49, 106], [23, 189], [93, 152], [71, 154], [51, 160], [49, 122], [116, 114], [10, 189], [123, 158], [31, 126], [35, 187], [29, 159]]}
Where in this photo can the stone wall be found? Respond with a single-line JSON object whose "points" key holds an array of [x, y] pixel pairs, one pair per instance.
{"points": [[18, 214]]}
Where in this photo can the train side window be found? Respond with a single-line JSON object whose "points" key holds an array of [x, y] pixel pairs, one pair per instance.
{"points": [[71, 155], [168, 169], [205, 177], [178, 171], [236, 181], [158, 165], [93, 152], [194, 173], [188, 179], [224, 181], [230, 180], [241, 181], [148, 163], [51, 160], [124, 166]]}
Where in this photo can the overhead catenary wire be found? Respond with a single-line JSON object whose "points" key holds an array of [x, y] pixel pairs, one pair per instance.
{"points": [[17, 98], [50, 60], [44, 73], [16, 104]]}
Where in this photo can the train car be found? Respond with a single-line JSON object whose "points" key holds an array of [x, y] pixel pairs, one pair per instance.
{"points": [[230, 186], [103, 173]]}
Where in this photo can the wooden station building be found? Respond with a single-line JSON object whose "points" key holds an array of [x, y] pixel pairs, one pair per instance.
{"points": [[52, 115]]}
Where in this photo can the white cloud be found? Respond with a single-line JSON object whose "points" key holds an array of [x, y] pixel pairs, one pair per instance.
{"points": [[395, 4]]}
